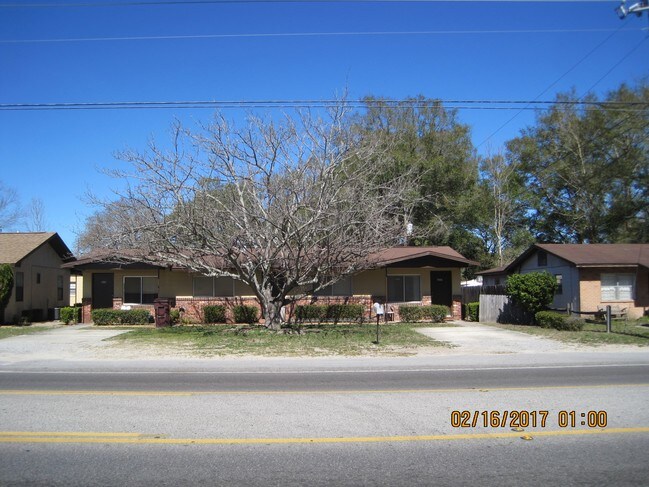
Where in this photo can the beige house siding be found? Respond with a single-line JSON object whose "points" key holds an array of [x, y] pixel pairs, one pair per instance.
{"points": [[591, 290], [179, 286], [43, 296]]}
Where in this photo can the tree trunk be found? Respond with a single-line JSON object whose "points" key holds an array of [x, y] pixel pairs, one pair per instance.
{"points": [[271, 307]]}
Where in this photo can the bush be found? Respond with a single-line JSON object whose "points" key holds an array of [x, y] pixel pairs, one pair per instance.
{"points": [[108, 316], [174, 315], [345, 312], [435, 313], [473, 311], [551, 319], [70, 314], [332, 312], [214, 314], [533, 291], [245, 314], [310, 312], [6, 287]]}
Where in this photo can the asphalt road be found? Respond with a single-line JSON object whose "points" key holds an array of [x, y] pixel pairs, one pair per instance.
{"points": [[466, 377], [373, 427]]}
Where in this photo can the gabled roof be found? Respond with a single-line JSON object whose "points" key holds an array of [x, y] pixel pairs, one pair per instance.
{"points": [[419, 255], [592, 255], [14, 247], [396, 255], [493, 271]]}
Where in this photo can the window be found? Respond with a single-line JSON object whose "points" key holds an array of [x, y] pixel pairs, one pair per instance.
{"points": [[617, 287], [343, 287], [402, 289], [38, 278], [59, 288], [207, 287], [140, 290], [541, 258], [73, 292], [20, 286], [559, 284]]}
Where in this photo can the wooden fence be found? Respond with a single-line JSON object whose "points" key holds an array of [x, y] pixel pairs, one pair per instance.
{"points": [[497, 307]]}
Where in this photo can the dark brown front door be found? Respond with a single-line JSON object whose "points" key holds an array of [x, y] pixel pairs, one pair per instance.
{"points": [[102, 290], [441, 288]]}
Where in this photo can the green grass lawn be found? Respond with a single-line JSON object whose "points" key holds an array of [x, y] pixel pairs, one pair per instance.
{"points": [[622, 333], [315, 340], [12, 331]]}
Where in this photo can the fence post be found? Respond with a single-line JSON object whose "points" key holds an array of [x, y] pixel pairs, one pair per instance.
{"points": [[608, 319], [569, 309]]}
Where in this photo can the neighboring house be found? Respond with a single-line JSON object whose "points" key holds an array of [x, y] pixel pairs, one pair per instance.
{"points": [[40, 284], [590, 276], [412, 275]]}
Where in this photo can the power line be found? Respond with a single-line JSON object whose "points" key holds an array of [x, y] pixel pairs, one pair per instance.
{"points": [[216, 2], [612, 68], [572, 68], [309, 34], [404, 103]]}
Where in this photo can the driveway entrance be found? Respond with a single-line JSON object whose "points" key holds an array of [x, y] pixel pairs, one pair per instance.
{"points": [[477, 338]]}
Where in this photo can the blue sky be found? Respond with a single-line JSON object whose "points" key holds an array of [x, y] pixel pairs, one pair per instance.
{"points": [[513, 50]]}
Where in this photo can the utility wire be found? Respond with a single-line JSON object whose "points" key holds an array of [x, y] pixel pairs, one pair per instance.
{"points": [[630, 107], [631, 51], [209, 2], [309, 34], [555, 82]]}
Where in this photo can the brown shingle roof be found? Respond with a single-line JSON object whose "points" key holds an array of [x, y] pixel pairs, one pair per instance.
{"points": [[389, 256], [594, 255], [14, 247], [400, 254]]}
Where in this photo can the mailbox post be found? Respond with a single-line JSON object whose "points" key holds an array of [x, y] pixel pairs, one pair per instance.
{"points": [[162, 312]]}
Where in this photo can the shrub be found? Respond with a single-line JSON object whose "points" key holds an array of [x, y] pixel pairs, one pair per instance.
{"points": [[331, 312], [435, 313], [108, 316], [70, 314], [310, 312], [174, 315], [473, 311], [245, 314], [345, 312], [410, 313], [533, 291], [6, 287], [551, 319], [214, 313]]}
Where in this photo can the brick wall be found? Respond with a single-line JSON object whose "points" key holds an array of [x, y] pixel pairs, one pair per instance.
{"points": [[193, 307], [591, 293]]}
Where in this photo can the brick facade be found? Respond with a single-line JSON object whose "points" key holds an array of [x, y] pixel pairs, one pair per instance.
{"points": [[193, 307], [591, 291]]}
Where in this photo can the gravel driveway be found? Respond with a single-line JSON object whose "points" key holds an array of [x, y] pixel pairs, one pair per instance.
{"points": [[71, 342], [477, 338]]}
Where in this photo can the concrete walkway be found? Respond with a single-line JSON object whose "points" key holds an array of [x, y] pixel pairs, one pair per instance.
{"points": [[475, 338], [70, 342]]}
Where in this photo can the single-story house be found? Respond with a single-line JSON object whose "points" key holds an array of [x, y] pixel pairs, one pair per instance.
{"points": [[412, 275], [590, 276], [40, 283]]}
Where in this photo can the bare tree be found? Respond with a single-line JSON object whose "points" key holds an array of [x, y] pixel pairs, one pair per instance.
{"points": [[36, 221], [10, 209], [502, 191], [286, 207]]}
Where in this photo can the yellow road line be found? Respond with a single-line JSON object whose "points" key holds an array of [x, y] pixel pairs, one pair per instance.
{"points": [[45, 392], [18, 437]]}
